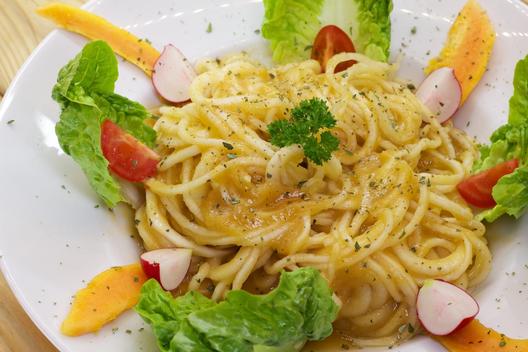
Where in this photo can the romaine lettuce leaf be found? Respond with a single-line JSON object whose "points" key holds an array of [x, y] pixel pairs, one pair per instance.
{"points": [[519, 101], [367, 21], [93, 70], [509, 142], [168, 317], [79, 136], [511, 195], [301, 308], [291, 26], [85, 92], [511, 192]]}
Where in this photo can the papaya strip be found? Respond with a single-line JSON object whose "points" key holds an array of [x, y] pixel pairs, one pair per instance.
{"points": [[108, 295], [468, 47], [476, 337], [135, 50]]}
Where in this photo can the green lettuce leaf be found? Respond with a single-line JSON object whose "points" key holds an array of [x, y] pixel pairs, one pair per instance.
{"points": [[85, 92], [168, 317], [519, 101], [93, 70], [79, 134], [301, 308], [291, 26], [511, 195], [367, 21], [128, 114], [508, 142], [511, 192]]}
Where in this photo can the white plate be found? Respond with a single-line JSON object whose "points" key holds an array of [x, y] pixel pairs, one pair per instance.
{"points": [[53, 238]]}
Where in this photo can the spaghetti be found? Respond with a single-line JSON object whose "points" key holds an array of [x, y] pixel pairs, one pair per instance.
{"points": [[377, 219]]}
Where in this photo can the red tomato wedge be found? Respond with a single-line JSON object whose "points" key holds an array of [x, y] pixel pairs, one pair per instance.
{"points": [[128, 157], [476, 190], [329, 41]]}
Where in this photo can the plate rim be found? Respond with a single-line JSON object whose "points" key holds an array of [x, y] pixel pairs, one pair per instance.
{"points": [[48, 331]]}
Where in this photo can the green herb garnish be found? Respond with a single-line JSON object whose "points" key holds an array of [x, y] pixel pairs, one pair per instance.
{"points": [[304, 129], [228, 146]]}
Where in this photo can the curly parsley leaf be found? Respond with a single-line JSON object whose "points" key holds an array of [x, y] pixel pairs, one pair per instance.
{"points": [[307, 129]]}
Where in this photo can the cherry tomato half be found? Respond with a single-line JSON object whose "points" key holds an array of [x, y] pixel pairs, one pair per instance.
{"points": [[329, 41], [128, 157], [476, 189]]}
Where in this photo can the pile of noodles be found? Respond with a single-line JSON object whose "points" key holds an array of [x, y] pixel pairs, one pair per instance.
{"points": [[377, 219]]}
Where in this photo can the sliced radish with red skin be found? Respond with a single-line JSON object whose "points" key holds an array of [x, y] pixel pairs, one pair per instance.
{"points": [[168, 266], [441, 93], [443, 307], [173, 75]]}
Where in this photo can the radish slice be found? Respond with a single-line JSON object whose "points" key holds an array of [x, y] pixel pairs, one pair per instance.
{"points": [[173, 75], [441, 93], [168, 266], [443, 307]]}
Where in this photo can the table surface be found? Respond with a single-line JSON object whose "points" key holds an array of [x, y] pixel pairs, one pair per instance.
{"points": [[20, 31]]}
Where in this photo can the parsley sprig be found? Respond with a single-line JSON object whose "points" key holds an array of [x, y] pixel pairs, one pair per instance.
{"points": [[304, 128]]}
